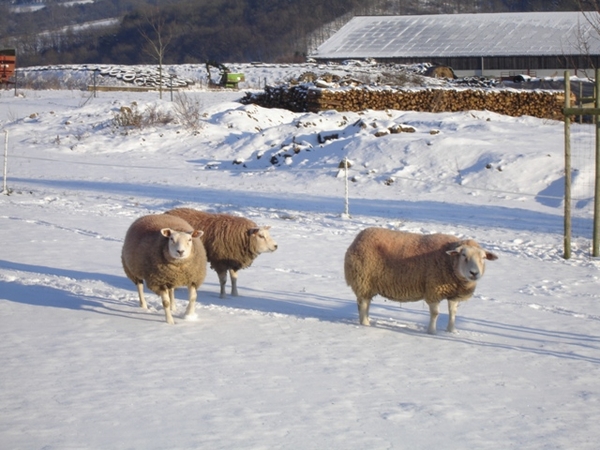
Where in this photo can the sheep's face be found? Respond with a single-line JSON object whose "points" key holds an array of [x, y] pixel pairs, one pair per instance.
{"points": [[180, 242], [470, 261], [263, 242]]}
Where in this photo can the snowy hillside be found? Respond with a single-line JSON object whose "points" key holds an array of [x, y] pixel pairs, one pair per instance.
{"points": [[285, 364]]}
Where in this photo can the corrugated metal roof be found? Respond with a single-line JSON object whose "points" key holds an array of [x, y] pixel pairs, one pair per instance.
{"points": [[462, 35]]}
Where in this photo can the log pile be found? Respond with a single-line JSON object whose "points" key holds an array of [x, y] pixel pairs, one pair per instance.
{"points": [[510, 102], [293, 98]]}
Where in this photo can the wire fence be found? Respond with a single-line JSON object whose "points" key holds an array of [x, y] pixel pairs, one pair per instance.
{"points": [[583, 178]]}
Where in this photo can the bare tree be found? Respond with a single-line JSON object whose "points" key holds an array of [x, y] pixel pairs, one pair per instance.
{"points": [[590, 10], [158, 34]]}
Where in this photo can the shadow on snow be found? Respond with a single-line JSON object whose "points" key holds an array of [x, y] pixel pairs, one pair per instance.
{"points": [[491, 334], [426, 211]]}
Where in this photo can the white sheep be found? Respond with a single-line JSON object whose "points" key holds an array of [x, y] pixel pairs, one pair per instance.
{"points": [[409, 267], [165, 252], [232, 243]]}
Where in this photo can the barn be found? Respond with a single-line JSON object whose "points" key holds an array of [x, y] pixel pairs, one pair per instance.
{"points": [[495, 45]]}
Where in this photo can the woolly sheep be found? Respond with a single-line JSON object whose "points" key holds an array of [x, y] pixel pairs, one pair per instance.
{"points": [[165, 252], [232, 243], [409, 267]]}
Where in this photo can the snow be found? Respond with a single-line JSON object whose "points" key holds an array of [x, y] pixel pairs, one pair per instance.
{"points": [[285, 364]]}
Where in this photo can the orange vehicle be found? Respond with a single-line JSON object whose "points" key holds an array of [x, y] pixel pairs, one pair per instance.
{"points": [[8, 60]]}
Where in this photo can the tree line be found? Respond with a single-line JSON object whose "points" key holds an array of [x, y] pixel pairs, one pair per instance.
{"points": [[194, 31]]}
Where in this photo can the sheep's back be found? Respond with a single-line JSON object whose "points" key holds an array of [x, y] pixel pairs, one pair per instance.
{"points": [[199, 220]]}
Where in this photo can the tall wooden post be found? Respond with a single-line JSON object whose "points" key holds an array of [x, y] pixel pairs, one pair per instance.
{"points": [[596, 239]]}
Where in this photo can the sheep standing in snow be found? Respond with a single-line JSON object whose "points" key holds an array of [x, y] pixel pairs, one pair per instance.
{"points": [[232, 243], [165, 252], [408, 267]]}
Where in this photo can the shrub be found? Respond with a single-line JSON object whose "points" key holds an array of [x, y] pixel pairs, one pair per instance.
{"points": [[128, 117], [187, 111], [132, 117]]}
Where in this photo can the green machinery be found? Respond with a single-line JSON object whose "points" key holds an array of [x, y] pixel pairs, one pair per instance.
{"points": [[227, 79]]}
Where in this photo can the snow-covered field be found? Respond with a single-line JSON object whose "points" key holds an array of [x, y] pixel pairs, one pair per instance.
{"points": [[285, 364]]}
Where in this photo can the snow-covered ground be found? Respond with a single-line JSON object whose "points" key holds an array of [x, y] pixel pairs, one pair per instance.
{"points": [[285, 364]]}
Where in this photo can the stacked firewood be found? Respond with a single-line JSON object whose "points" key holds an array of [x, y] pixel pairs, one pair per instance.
{"points": [[510, 102], [293, 98], [543, 104]]}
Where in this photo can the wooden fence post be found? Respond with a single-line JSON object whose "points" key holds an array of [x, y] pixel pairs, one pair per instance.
{"points": [[596, 239]]}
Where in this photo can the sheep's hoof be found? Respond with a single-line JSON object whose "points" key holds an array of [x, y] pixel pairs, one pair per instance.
{"points": [[191, 317]]}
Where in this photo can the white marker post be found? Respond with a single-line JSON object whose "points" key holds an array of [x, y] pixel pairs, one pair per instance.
{"points": [[4, 188], [346, 214]]}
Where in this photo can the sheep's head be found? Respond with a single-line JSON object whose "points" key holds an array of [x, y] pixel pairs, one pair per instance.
{"points": [[261, 239], [470, 261], [180, 242]]}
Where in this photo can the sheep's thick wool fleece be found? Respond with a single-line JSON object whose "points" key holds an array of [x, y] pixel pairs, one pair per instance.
{"points": [[405, 266], [226, 238], [145, 255]]}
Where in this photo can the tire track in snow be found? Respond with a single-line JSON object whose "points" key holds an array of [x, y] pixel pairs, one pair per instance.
{"points": [[543, 308], [80, 231]]}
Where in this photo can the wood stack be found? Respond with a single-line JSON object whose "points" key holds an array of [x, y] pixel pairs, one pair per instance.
{"points": [[293, 98], [510, 102]]}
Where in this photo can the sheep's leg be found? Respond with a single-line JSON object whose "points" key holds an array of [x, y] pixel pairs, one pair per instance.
{"points": [[363, 310], [452, 307], [434, 312], [190, 312], [233, 276], [166, 302], [172, 298], [222, 282], [140, 289]]}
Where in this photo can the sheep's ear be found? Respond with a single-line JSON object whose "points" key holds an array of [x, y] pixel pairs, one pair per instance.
{"points": [[267, 227], [491, 256], [252, 231], [197, 233], [166, 232], [454, 252]]}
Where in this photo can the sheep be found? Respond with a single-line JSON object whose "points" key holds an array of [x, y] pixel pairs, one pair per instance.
{"points": [[165, 252], [409, 267], [232, 243]]}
